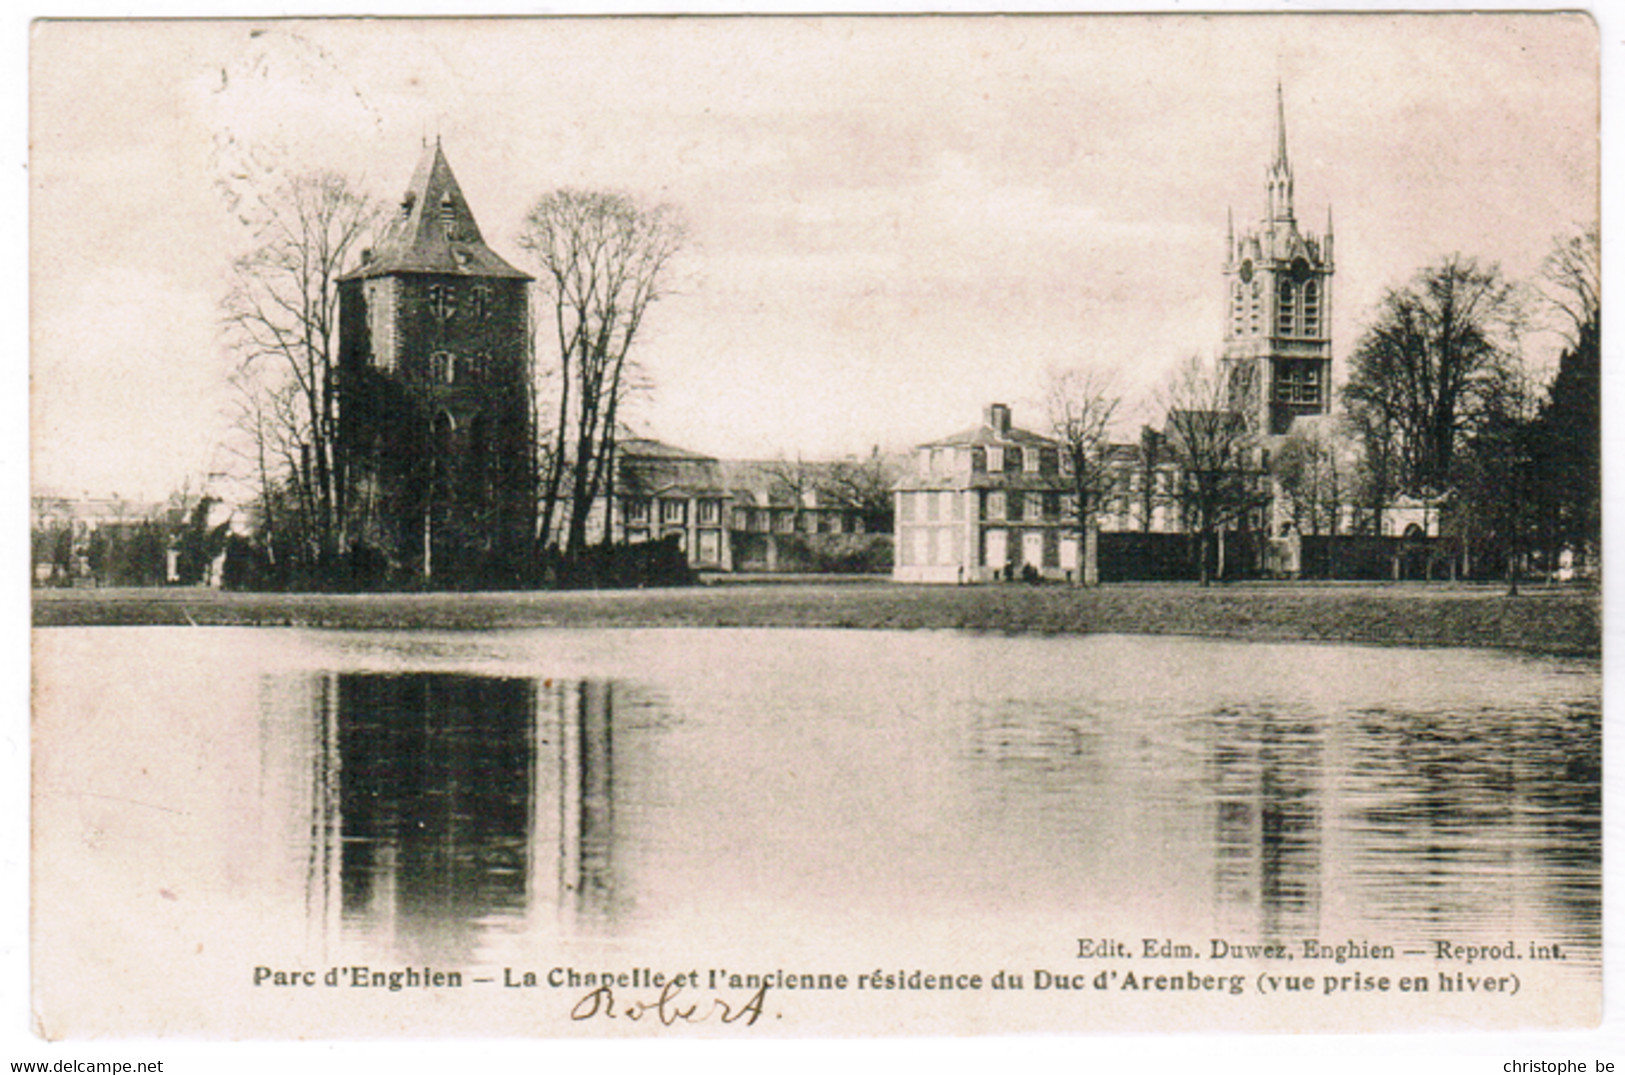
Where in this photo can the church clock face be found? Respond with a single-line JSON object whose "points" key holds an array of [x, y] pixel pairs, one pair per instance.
{"points": [[1247, 270]]}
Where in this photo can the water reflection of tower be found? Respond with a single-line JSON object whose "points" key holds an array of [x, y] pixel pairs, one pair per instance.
{"points": [[586, 732], [1266, 772], [438, 800], [433, 799]]}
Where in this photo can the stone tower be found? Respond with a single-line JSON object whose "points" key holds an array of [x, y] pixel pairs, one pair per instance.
{"points": [[435, 417], [1278, 290]]}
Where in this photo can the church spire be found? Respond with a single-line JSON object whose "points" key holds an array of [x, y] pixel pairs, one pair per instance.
{"points": [[1280, 129], [1280, 173]]}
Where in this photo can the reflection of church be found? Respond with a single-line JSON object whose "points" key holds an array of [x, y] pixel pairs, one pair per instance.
{"points": [[1266, 774], [444, 806]]}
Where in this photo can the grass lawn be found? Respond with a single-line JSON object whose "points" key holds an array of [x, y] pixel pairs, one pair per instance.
{"points": [[1540, 620]]}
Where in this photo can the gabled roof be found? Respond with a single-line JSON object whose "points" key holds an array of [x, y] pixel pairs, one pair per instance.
{"points": [[649, 448], [647, 467], [434, 231], [984, 435]]}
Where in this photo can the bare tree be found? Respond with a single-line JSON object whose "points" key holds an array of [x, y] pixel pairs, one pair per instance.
{"points": [[1311, 477], [1080, 403], [792, 481], [1428, 367], [281, 320], [603, 258], [1572, 274], [864, 486], [1220, 477]]}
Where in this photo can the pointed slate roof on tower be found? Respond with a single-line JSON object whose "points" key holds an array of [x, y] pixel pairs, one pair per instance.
{"points": [[434, 231]]}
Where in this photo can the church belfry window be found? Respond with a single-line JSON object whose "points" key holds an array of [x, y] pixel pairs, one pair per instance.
{"points": [[1311, 309], [1297, 382], [1284, 309], [443, 300]]}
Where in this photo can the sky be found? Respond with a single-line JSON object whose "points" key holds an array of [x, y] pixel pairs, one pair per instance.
{"points": [[893, 221]]}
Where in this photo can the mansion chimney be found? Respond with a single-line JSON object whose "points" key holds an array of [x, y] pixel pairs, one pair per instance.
{"points": [[998, 418]]}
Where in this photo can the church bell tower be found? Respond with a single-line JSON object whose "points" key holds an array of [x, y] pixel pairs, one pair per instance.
{"points": [[1278, 292], [434, 365]]}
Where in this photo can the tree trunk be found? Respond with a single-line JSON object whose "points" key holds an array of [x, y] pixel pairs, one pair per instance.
{"points": [[1091, 552]]}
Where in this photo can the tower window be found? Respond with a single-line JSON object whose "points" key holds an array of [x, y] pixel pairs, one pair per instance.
{"points": [[443, 300], [1311, 309], [443, 367], [1284, 309], [448, 215], [1297, 382]]}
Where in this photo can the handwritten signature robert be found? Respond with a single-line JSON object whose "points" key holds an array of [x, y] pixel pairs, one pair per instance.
{"points": [[602, 1003]]}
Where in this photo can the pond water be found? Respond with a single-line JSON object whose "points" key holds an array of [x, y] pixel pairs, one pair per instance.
{"points": [[481, 800]]}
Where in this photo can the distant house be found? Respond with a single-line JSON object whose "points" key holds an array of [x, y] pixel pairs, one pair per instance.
{"points": [[725, 515], [663, 491], [70, 532], [983, 504]]}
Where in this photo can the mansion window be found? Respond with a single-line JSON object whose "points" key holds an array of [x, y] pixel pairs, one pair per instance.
{"points": [[710, 512], [1016, 506], [480, 302], [1012, 459], [443, 367], [1297, 382], [636, 509], [994, 506], [673, 512]]}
